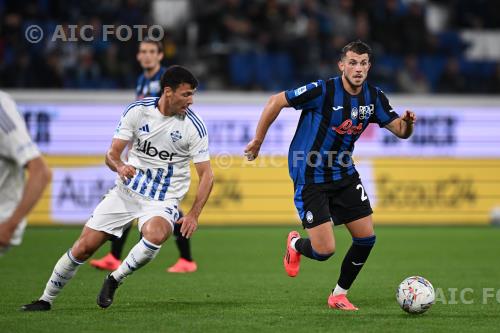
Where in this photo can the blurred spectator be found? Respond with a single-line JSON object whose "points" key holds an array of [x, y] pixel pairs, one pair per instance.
{"points": [[478, 14], [451, 80], [494, 84], [243, 44], [386, 24], [343, 21], [237, 28], [411, 79], [414, 30]]}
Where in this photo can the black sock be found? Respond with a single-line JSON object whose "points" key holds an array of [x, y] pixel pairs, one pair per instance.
{"points": [[117, 244], [354, 260], [304, 247], [183, 244], [184, 247]]}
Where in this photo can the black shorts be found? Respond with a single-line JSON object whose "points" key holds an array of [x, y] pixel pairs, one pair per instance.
{"points": [[341, 202]]}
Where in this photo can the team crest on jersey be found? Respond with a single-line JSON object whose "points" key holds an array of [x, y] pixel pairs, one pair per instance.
{"points": [[354, 113], [176, 136]]}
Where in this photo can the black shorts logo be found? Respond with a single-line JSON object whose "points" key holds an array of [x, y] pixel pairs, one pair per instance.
{"points": [[309, 217]]}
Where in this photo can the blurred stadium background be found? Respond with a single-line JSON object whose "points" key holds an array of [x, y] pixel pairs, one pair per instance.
{"points": [[72, 89], [439, 58]]}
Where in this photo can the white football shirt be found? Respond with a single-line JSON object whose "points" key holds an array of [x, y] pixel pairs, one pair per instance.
{"points": [[162, 148], [16, 149]]}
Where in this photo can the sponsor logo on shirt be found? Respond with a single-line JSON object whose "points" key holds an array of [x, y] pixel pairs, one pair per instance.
{"points": [[147, 148], [365, 111], [347, 128]]}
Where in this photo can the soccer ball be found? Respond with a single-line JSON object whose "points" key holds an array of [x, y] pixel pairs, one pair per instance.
{"points": [[415, 295]]}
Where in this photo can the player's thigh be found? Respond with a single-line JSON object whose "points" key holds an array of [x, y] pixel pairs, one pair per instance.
{"points": [[156, 221], [361, 228], [88, 242], [322, 238], [115, 212], [349, 203], [312, 205]]}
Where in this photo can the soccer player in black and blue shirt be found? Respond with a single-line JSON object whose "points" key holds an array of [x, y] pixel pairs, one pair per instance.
{"points": [[328, 190], [149, 56]]}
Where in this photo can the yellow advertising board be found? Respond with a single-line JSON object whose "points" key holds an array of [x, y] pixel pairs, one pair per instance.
{"points": [[436, 191], [402, 190]]}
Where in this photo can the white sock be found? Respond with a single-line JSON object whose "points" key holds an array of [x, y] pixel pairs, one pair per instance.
{"points": [[64, 270], [339, 291], [142, 253], [292, 243]]}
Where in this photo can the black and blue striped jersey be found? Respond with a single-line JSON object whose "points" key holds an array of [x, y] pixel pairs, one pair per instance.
{"points": [[149, 87], [330, 123]]}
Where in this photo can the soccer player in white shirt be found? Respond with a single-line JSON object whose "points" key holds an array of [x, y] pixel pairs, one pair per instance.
{"points": [[17, 152], [166, 136], [149, 55]]}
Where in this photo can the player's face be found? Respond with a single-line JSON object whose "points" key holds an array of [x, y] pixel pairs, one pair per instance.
{"points": [[148, 56], [355, 67], [179, 99]]}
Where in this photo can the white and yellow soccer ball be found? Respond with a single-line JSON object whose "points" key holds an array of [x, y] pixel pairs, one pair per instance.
{"points": [[415, 294]]}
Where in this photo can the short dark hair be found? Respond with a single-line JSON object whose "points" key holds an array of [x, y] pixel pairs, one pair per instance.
{"points": [[176, 75], [158, 44], [357, 47]]}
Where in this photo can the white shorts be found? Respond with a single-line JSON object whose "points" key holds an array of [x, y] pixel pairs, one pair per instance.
{"points": [[120, 206]]}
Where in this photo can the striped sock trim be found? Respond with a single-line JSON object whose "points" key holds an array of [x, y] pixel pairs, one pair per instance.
{"points": [[321, 257], [364, 241], [73, 259], [150, 245]]}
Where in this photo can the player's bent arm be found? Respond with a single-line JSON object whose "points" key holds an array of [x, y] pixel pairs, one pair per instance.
{"points": [[403, 126], [274, 105], [206, 181], [205, 184], [114, 153], [39, 175]]}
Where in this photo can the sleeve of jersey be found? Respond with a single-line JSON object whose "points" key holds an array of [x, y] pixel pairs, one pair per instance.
{"points": [[128, 123], [20, 148], [198, 147], [306, 97], [384, 113]]}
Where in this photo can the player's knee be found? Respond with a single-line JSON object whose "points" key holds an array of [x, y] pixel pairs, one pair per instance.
{"points": [[324, 252], [325, 248], [156, 233], [322, 256], [365, 241], [157, 238]]}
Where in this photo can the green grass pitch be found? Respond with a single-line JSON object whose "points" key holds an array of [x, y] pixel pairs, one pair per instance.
{"points": [[241, 285]]}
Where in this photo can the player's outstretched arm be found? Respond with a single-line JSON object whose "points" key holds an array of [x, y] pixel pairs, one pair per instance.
{"points": [[206, 180], [271, 111], [114, 160], [402, 127], [39, 176]]}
